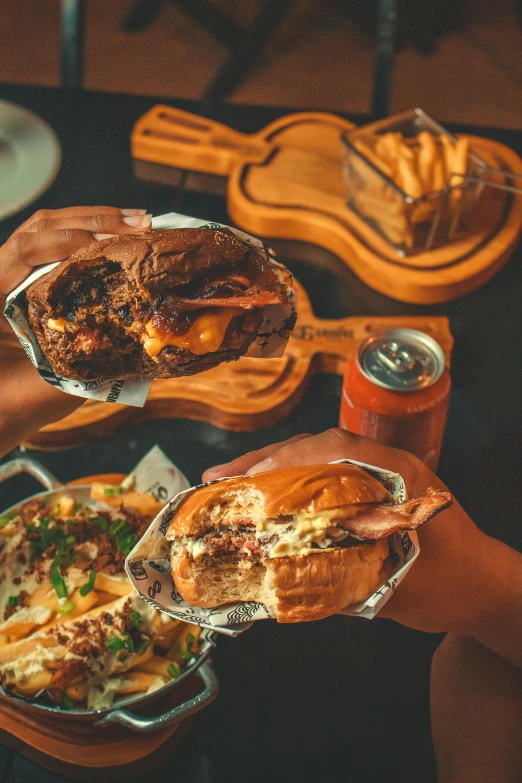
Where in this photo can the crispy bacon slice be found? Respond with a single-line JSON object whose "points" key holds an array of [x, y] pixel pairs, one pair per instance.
{"points": [[252, 297], [381, 520]]}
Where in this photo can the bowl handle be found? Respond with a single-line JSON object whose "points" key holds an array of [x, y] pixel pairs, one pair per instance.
{"points": [[190, 707], [23, 465]]}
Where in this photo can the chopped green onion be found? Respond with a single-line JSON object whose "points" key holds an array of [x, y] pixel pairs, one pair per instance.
{"points": [[128, 544], [8, 518], [67, 702], [118, 527], [173, 670], [102, 524], [112, 491], [144, 641], [57, 579], [13, 600], [45, 522], [125, 538], [114, 644], [69, 541], [88, 586], [117, 643], [137, 619], [124, 642], [185, 655], [66, 608]]}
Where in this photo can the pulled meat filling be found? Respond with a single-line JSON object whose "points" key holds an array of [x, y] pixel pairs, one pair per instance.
{"points": [[108, 298]]}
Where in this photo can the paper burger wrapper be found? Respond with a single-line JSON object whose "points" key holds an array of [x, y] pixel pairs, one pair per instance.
{"points": [[156, 475], [148, 568], [270, 342]]}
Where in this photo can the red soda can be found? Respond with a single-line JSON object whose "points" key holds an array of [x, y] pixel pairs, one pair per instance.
{"points": [[396, 390]]}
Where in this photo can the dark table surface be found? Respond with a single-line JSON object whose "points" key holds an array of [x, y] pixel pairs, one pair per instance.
{"points": [[342, 699]]}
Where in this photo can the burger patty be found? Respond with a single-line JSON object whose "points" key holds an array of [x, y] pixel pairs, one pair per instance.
{"points": [[231, 546]]}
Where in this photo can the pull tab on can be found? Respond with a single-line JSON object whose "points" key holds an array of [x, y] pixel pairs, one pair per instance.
{"points": [[401, 360]]}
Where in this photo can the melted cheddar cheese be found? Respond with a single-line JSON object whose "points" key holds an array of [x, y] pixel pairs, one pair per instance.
{"points": [[204, 336], [56, 324]]}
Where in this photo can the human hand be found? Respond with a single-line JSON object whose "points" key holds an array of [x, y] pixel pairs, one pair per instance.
{"points": [[26, 401], [462, 578], [54, 234]]}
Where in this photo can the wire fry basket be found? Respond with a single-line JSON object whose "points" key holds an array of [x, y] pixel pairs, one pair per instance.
{"points": [[396, 196]]}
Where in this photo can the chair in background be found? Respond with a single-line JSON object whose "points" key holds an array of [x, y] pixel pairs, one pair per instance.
{"points": [[245, 45]]}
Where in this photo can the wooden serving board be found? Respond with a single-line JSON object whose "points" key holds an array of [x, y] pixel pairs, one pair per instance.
{"points": [[286, 181], [82, 751], [248, 394]]}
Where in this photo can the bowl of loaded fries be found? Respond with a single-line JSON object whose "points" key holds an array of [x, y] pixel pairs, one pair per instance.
{"points": [[76, 640]]}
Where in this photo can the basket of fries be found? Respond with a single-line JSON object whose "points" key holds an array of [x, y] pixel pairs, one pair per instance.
{"points": [[76, 640], [412, 181]]}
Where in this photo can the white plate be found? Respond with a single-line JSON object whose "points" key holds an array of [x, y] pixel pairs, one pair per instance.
{"points": [[30, 157]]}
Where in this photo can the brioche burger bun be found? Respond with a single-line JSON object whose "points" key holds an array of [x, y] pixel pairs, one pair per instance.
{"points": [[304, 541]]}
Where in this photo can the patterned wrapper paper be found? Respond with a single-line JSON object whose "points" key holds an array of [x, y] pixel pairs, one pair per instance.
{"points": [[148, 567], [156, 475], [271, 340]]}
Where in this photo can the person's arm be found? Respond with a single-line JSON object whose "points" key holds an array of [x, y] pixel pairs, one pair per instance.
{"points": [[27, 403], [463, 581], [476, 714]]}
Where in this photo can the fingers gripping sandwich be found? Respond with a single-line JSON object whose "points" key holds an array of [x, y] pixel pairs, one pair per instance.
{"points": [[305, 541], [159, 304]]}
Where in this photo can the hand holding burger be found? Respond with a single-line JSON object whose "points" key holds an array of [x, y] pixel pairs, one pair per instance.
{"points": [[463, 581], [305, 541], [26, 401]]}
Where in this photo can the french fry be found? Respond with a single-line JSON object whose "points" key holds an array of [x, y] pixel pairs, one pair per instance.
{"points": [[107, 584], [33, 683], [140, 501], [155, 665], [21, 623], [145, 504], [98, 493], [104, 598], [14, 650], [4, 639], [77, 691], [65, 507], [136, 682], [42, 595], [377, 161], [50, 601], [166, 638], [426, 156], [409, 178], [83, 602], [188, 638], [135, 660], [456, 156]]}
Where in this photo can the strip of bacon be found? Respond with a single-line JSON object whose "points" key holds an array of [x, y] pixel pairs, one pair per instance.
{"points": [[381, 520], [252, 297]]}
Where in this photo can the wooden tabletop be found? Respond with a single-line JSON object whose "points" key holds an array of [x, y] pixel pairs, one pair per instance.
{"points": [[343, 699]]}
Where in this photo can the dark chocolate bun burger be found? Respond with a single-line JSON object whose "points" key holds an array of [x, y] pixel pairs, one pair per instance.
{"points": [[304, 541], [159, 304]]}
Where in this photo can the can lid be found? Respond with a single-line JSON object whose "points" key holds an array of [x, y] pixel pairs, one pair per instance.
{"points": [[401, 360]]}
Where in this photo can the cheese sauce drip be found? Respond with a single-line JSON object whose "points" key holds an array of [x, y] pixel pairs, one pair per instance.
{"points": [[204, 336]]}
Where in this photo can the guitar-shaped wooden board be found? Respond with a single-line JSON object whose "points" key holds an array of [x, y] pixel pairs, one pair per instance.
{"points": [[286, 181], [248, 394]]}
